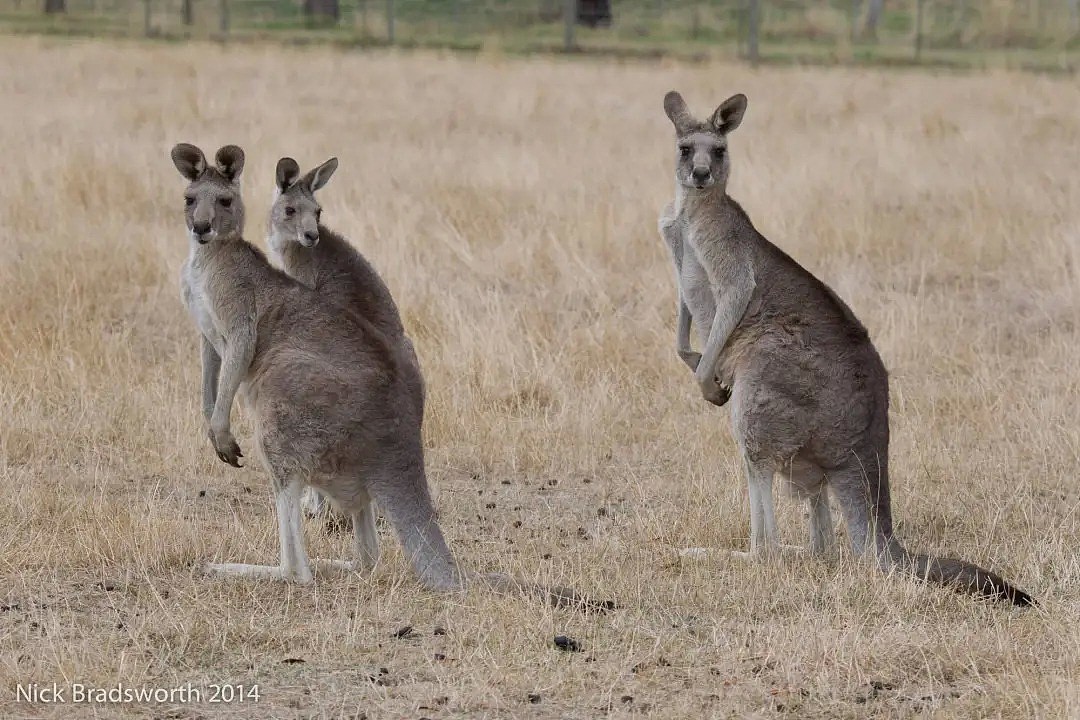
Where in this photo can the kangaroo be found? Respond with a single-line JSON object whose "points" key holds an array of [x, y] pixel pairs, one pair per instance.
{"points": [[325, 261], [330, 400], [809, 394]]}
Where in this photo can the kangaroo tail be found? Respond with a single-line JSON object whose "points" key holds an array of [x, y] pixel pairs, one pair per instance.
{"points": [[430, 557], [556, 596], [406, 503], [957, 574]]}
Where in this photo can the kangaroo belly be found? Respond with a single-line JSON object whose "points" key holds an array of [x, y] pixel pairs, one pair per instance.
{"points": [[191, 292], [801, 477], [698, 296]]}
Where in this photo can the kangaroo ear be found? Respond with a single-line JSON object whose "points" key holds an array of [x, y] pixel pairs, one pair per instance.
{"points": [[287, 172], [318, 177], [678, 113], [230, 161], [729, 115], [189, 160]]}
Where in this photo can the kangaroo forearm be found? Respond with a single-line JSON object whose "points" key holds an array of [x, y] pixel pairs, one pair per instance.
{"points": [[234, 367], [682, 326], [672, 237], [682, 338], [721, 331], [211, 366], [228, 384], [730, 308]]}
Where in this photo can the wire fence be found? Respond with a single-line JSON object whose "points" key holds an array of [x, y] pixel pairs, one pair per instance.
{"points": [[1041, 34]]}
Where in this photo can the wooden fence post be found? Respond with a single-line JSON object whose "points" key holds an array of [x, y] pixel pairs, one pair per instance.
{"points": [[569, 23], [753, 30], [918, 29]]}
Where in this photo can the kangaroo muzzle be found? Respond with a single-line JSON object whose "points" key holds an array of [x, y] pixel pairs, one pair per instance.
{"points": [[202, 224], [201, 229], [308, 238]]}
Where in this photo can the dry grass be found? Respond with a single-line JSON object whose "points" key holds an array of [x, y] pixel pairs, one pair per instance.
{"points": [[511, 207]]}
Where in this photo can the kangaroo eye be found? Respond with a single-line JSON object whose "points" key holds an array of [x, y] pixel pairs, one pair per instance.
{"points": [[685, 151], [226, 202], [189, 201], [290, 211], [318, 214], [719, 152]]}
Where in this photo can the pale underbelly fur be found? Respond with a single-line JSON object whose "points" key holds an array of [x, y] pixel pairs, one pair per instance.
{"points": [[195, 300]]}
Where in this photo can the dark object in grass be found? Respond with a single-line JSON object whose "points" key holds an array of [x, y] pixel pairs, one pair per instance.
{"points": [[567, 644]]}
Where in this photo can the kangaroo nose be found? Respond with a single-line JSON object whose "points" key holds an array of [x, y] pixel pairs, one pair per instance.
{"points": [[312, 236], [701, 174], [200, 228]]}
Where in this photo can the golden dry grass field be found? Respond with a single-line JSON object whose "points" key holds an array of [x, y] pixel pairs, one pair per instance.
{"points": [[511, 206]]}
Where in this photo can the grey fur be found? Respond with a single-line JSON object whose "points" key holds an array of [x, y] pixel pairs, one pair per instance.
{"points": [[809, 393], [325, 262], [325, 389], [333, 402], [212, 207]]}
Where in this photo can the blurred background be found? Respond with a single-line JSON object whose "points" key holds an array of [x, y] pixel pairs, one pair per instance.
{"points": [[1039, 35]]}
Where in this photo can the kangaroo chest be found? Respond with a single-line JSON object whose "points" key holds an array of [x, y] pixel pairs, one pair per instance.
{"points": [[193, 293], [697, 291], [697, 294]]}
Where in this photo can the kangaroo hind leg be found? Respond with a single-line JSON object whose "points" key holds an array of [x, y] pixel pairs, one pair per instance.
{"points": [[365, 539], [821, 524], [806, 481], [764, 537], [294, 564]]}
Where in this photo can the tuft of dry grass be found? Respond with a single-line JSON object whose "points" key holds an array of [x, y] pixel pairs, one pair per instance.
{"points": [[511, 207]]}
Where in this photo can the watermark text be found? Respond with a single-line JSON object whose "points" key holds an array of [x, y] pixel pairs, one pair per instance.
{"points": [[83, 694]]}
